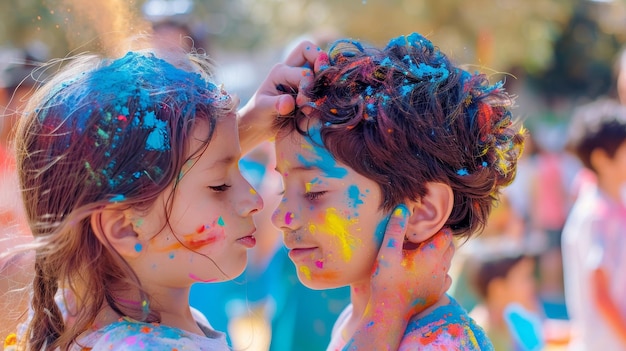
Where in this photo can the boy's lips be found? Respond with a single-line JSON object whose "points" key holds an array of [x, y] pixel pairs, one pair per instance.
{"points": [[302, 253]]}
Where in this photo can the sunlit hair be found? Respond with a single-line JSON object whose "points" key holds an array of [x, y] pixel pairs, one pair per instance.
{"points": [[405, 115], [102, 132]]}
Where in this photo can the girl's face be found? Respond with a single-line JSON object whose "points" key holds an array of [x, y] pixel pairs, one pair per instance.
{"points": [[210, 222], [329, 214]]}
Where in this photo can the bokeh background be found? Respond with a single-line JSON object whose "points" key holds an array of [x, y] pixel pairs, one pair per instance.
{"points": [[553, 54]]}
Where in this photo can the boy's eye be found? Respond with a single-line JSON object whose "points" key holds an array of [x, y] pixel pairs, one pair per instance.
{"points": [[220, 188], [314, 195]]}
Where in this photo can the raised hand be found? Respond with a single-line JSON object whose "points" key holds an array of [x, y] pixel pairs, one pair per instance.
{"points": [[277, 94]]}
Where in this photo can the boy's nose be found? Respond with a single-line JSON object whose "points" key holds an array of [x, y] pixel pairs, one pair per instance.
{"points": [[284, 217]]}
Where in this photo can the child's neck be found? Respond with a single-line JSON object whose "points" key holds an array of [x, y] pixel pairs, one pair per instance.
{"points": [[359, 297], [172, 306]]}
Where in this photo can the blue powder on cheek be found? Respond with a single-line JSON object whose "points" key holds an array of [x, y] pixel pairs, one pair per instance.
{"points": [[379, 233], [353, 195]]}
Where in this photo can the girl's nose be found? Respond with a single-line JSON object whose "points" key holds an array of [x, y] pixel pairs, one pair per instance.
{"points": [[251, 202]]}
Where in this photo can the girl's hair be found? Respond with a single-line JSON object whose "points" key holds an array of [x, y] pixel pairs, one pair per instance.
{"points": [[103, 132], [405, 115]]}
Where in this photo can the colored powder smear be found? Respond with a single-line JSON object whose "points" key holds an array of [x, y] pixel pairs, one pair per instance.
{"points": [[324, 161], [335, 224], [354, 195]]}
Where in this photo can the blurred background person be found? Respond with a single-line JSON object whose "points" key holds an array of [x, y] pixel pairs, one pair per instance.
{"points": [[18, 77], [594, 245]]}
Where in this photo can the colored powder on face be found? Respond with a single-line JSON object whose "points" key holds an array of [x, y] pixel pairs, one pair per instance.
{"points": [[172, 255], [139, 222], [338, 226], [306, 271], [353, 195], [138, 247], [252, 191], [220, 222], [288, 218], [196, 241], [319, 264], [379, 233], [324, 161]]}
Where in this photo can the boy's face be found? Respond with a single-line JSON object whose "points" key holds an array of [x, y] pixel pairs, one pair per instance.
{"points": [[329, 214]]}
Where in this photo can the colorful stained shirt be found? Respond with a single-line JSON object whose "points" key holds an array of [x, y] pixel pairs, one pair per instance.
{"points": [[447, 327], [127, 334], [593, 238]]}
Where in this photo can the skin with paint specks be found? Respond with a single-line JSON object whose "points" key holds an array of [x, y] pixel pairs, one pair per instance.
{"points": [[329, 215], [212, 209]]}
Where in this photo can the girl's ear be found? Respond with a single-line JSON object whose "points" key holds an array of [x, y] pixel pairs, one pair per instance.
{"points": [[112, 225], [430, 213]]}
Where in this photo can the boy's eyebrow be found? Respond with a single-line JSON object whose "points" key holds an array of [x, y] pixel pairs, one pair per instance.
{"points": [[299, 169]]}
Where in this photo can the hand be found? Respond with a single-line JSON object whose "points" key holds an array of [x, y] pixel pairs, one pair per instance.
{"points": [[409, 280], [277, 94], [405, 282]]}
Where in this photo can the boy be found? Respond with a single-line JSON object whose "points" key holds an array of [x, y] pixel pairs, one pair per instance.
{"points": [[401, 127], [594, 244]]}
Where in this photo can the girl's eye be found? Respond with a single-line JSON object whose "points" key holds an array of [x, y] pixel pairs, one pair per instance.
{"points": [[311, 196], [220, 188]]}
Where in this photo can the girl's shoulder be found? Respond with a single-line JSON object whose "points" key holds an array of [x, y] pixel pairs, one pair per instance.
{"points": [[128, 334], [448, 327]]}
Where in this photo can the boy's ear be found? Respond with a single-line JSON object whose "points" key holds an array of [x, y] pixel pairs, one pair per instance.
{"points": [[430, 213], [113, 226]]}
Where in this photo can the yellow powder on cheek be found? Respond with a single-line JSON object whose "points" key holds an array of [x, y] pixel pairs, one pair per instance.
{"points": [[338, 226]]}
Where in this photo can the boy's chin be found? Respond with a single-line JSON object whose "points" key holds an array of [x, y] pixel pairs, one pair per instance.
{"points": [[314, 284]]}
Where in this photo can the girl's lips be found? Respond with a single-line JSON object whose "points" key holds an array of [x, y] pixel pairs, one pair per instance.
{"points": [[247, 241], [302, 253]]}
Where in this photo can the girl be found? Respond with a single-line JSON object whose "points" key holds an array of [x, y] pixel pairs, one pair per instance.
{"points": [[129, 177], [399, 126]]}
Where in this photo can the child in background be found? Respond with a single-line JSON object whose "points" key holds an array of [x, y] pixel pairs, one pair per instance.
{"points": [[129, 177], [507, 308], [594, 244], [401, 128]]}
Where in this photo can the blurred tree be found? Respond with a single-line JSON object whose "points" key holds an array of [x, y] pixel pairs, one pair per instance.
{"points": [[495, 34], [582, 66]]}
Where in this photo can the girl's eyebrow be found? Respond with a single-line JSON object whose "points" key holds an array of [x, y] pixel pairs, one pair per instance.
{"points": [[225, 161]]}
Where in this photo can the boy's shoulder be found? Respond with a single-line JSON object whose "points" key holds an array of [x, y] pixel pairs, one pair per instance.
{"points": [[448, 327], [128, 334]]}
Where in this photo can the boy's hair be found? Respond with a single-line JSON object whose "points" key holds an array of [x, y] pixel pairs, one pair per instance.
{"points": [[405, 115], [102, 132], [597, 125]]}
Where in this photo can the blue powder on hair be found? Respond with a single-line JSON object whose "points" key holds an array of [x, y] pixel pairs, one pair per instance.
{"points": [[118, 198], [462, 172], [436, 74]]}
